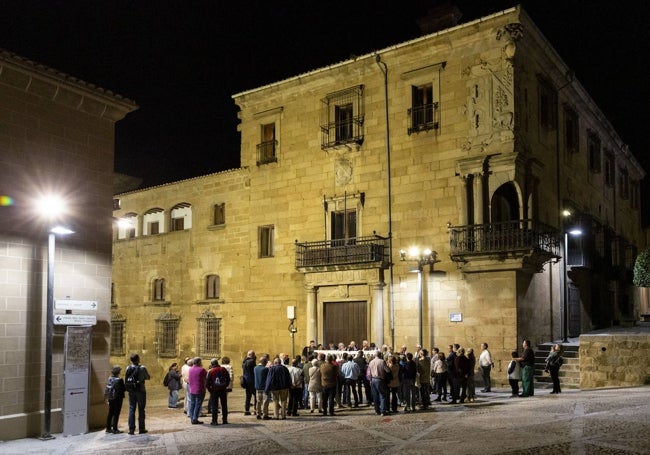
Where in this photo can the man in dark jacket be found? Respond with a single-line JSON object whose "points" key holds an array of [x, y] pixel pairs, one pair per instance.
{"points": [[463, 368], [278, 383], [217, 382], [247, 368], [329, 372]]}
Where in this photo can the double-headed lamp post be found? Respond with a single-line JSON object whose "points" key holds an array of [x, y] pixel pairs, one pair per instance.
{"points": [[50, 207], [422, 257]]}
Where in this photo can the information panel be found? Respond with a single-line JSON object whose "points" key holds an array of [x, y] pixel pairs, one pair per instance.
{"points": [[78, 348]]}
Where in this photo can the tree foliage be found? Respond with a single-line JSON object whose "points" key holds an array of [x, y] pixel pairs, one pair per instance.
{"points": [[642, 269]]}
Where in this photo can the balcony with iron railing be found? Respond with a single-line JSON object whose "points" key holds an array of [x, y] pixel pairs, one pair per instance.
{"points": [[266, 152], [343, 254], [422, 118], [518, 244]]}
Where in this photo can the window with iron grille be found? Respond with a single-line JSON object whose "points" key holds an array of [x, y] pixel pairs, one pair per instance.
{"points": [[265, 237], [421, 113], [594, 153], [209, 335], [219, 214], [167, 335], [342, 118], [212, 285], [118, 326], [266, 148], [571, 130], [158, 289]]}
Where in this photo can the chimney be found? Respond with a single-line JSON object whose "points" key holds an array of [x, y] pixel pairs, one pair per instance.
{"points": [[439, 18]]}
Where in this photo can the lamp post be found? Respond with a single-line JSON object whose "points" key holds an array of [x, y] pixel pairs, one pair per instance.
{"points": [[565, 278], [422, 257]]}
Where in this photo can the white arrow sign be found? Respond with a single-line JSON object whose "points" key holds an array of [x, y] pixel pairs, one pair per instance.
{"points": [[76, 305], [75, 319]]}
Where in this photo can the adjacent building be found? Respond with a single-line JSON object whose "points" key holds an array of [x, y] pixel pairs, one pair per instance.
{"points": [[469, 143], [56, 140]]}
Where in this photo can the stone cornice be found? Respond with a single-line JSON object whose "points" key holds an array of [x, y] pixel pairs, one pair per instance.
{"points": [[42, 81]]}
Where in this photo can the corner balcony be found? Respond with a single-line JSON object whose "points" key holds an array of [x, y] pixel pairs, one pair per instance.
{"points": [[343, 254], [511, 245]]}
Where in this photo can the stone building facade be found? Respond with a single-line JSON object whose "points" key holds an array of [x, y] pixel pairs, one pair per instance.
{"points": [[56, 138], [470, 141]]}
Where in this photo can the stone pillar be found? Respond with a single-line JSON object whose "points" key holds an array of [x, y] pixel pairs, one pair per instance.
{"points": [[479, 203], [463, 203], [312, 316], [377, 314]]}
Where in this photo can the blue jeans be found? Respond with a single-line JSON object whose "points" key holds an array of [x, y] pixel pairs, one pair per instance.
{"points": [[196, 401], [173, 398], [378, 388]]}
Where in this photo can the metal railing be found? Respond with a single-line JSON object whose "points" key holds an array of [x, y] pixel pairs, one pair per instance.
{"points": [[340, 252], [507, 236], [266, 152], [422, 118]]}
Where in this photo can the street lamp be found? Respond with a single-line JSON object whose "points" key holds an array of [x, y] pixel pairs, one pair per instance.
{"points": [[422, 257], [574, 231], [51, 207]]}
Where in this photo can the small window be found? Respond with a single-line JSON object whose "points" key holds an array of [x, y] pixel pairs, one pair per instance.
{"points": [[547, 105], [266, 148], [571, 130], [594, 153], [159, 290], [118, 326], [219, 214], [265, 241], [167, 335], [421, 114], [610, 169], [212, 284], [209, 335]]}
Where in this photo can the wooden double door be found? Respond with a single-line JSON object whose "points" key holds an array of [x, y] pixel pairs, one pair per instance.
{"points": [[345, 321]]}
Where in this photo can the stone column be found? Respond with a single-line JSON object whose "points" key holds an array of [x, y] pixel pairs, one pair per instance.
{"points": [[377, 314], [312, 316], [479, 203], [463, 202]]}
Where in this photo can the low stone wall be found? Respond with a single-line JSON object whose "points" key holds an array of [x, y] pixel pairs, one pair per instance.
{"points": [[614, 360]]}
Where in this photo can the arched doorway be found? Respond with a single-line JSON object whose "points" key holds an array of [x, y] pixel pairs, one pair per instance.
{"points": [[504, 204]]}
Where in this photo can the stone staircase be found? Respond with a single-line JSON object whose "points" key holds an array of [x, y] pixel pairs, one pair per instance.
{"points": [[569, 372]]}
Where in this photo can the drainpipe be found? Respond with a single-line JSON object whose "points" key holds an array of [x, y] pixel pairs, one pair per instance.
{"points": [[384, 69]]}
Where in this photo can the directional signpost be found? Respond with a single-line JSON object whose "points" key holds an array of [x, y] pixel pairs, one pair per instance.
{"points": [[75, 319], [88, 305]]}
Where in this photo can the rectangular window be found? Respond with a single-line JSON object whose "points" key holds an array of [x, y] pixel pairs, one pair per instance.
{"points": [[623, 183], [117, 337], [547, 105], [265, 234], [153, 228], [212, 287], [266, 148], [635, 196], [178, 224], [344, 227], [167, 336], [209, 336], [342, 118], [219, 215], [421, 114], [610, 169], [159, 289], [571, 130], [594, 153]]}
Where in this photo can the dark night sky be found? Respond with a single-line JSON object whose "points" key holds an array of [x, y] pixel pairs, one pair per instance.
{"points": [[182, 60]]}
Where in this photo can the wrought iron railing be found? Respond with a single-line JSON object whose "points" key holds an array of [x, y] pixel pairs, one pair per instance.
{"points": [[266, 152], [503, 237], [351, 251], [422, 118]]}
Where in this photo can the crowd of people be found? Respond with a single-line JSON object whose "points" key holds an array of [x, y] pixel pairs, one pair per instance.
{"points": [[322, 380]]}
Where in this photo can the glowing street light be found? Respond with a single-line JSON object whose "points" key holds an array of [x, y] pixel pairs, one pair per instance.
{"points": [[423, 257]]}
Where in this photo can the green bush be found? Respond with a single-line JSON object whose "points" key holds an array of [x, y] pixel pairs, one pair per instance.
{"points": [[642, 269]]}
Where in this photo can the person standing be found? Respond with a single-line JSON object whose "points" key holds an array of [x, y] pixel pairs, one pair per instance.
{"points": [[328, 379], [138, 395], [248, 375], [315, 387], [363, 385], [295, 391], [278, 383], [409, 373], [424, 372], [197, 390], [514, 374], [486, 364], [115, 400], [527, 360], [173, 380], [393, 386], [377, 369], [463, 368], [217, 382], [451, 373], [261, 400], [350, 371], [553, 363], [185, 370], [440, 371]]}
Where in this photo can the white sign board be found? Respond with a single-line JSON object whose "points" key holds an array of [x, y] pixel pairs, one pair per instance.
{"points": [[75, 319], [78, 348], [90, 305]]}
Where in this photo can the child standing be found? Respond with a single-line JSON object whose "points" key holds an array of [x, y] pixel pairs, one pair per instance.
{"points": [[514, 374], [115, 396]]}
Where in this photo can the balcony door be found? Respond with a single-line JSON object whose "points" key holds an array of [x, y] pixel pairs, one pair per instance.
{"points": [[504, 204], [344, 227], [344, 322]]}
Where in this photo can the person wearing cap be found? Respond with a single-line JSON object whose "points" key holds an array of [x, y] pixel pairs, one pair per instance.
{"points": [[115, 405]]}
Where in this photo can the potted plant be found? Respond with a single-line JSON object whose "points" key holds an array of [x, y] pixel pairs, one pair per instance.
{"points": [[641, 279]]}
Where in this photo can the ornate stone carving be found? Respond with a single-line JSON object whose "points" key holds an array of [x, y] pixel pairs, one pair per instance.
{"points": [[343, 171], [511, 33]]}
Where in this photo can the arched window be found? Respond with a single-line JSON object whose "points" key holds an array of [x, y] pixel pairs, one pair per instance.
{"points": [[505, 204], [127, 226], [159, 289], [212, 286], [153, 222], [181, 217]]}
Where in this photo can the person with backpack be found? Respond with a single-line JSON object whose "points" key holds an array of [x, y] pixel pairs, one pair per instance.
{"points": [[114, 395], [134, 379], [173, 383], [217, 382]]}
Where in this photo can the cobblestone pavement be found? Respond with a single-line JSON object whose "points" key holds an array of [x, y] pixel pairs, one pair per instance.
{"points": [[611, 421]]}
